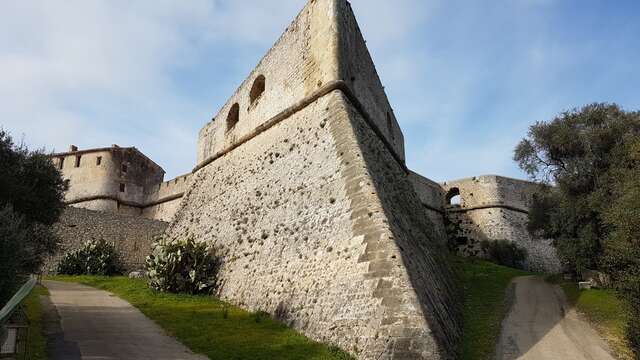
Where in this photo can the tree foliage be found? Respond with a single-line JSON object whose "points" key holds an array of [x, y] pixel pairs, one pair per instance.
{"points": [[591, 157], [31, 199]]}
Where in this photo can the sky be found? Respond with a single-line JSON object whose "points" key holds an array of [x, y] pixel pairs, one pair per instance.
{"points": [[466, 78]]}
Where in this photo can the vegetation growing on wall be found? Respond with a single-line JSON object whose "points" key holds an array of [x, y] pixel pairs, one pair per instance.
{"points": [[592, 156], [31, 199]]}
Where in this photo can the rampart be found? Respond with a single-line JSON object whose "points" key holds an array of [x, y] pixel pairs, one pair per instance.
{"points": [[496, 208], [131, 235], [119, 180], [301, 185]]}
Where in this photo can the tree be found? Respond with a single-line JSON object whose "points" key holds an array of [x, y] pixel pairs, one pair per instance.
{"points": [[31, 199], [591, 157]]}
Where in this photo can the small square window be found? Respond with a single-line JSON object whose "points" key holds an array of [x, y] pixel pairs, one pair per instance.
{"points": [[122, 187], [61, 163], [78, 160], [124, 168], [99, 160]]}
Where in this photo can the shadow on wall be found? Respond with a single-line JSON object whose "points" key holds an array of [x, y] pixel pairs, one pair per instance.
{"points": [[423, 255]]}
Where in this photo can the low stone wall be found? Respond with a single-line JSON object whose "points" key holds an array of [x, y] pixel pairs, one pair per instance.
{"points": [[132, 235]]}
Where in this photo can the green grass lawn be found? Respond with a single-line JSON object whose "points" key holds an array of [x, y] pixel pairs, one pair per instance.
{"points": [[33, 309], [604, 310], [211, 327], [485, 306]]}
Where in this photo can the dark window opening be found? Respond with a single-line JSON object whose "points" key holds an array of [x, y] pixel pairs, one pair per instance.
{"points": [[78, 161], [67, 184], [233, 117], [453, 197], [122, 187], [61, 163], [99, 160], [124, 168], [390, 126], [257, 89]]}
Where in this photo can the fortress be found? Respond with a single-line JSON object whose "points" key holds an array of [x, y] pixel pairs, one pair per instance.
{"points": [[301, 184]]}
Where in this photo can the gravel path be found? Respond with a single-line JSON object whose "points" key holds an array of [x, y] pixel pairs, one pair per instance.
{"points": [[541, 326], [85, 323]]}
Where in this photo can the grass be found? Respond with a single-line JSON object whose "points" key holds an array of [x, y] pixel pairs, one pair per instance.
{"points": [[211, 327], [33, 309], [604, 309], [485, 306]]}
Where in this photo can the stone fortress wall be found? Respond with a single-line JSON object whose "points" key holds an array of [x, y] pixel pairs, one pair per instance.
{"points": [[496, 208], [119, 180], [131, 235], [301, 184]]}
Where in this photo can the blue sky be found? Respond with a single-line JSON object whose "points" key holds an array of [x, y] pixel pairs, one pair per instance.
{"points": [[465, 78]]}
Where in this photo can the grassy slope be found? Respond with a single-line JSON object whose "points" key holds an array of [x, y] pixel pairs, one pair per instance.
{"points": [[485, 286], [604, 310], [37, 341], [199, 323]]}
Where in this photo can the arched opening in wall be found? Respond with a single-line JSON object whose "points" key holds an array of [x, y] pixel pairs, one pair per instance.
{"points": [[233, 117], [390, 126], [257, 90], [453, 197]]}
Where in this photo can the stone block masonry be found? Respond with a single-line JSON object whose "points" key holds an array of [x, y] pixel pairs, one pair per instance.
{"points": [[301, 185], [131, 235], [496, 208], [303, 216]]}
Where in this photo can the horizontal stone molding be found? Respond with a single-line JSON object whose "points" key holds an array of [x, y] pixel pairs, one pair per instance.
{"points": [[339, 85], [487, 206]]}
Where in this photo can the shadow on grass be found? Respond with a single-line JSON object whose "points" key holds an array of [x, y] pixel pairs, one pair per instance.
{"points": [[485, 305], [604, 309]]}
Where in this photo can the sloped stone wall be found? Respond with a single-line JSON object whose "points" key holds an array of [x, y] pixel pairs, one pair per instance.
{"points": [[302, 214]]}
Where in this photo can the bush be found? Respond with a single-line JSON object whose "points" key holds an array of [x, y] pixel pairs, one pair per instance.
{"points": [[182, 266], [504, 252], [94, 258]]}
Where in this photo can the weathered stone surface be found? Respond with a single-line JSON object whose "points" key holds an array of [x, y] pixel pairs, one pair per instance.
{"points": [[131, 235], [119, 180], [301, 185], [357, 266], [496, 208]]}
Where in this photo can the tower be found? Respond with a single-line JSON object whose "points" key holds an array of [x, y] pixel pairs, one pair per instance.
{"points": [[302, 187]]}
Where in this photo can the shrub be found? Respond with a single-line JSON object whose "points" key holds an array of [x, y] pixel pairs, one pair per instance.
{"points": [[182, 266], [505, 253], [93, 258]]}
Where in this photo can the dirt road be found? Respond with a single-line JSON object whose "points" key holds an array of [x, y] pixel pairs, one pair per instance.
{"points": [[541, 326]]}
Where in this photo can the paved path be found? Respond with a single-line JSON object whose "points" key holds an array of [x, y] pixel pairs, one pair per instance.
{"points": [[85, 323], [541, 326]]}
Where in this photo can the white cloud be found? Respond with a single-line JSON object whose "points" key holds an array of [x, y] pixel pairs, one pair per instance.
{"points": [[100, 72], [139, 73]]}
